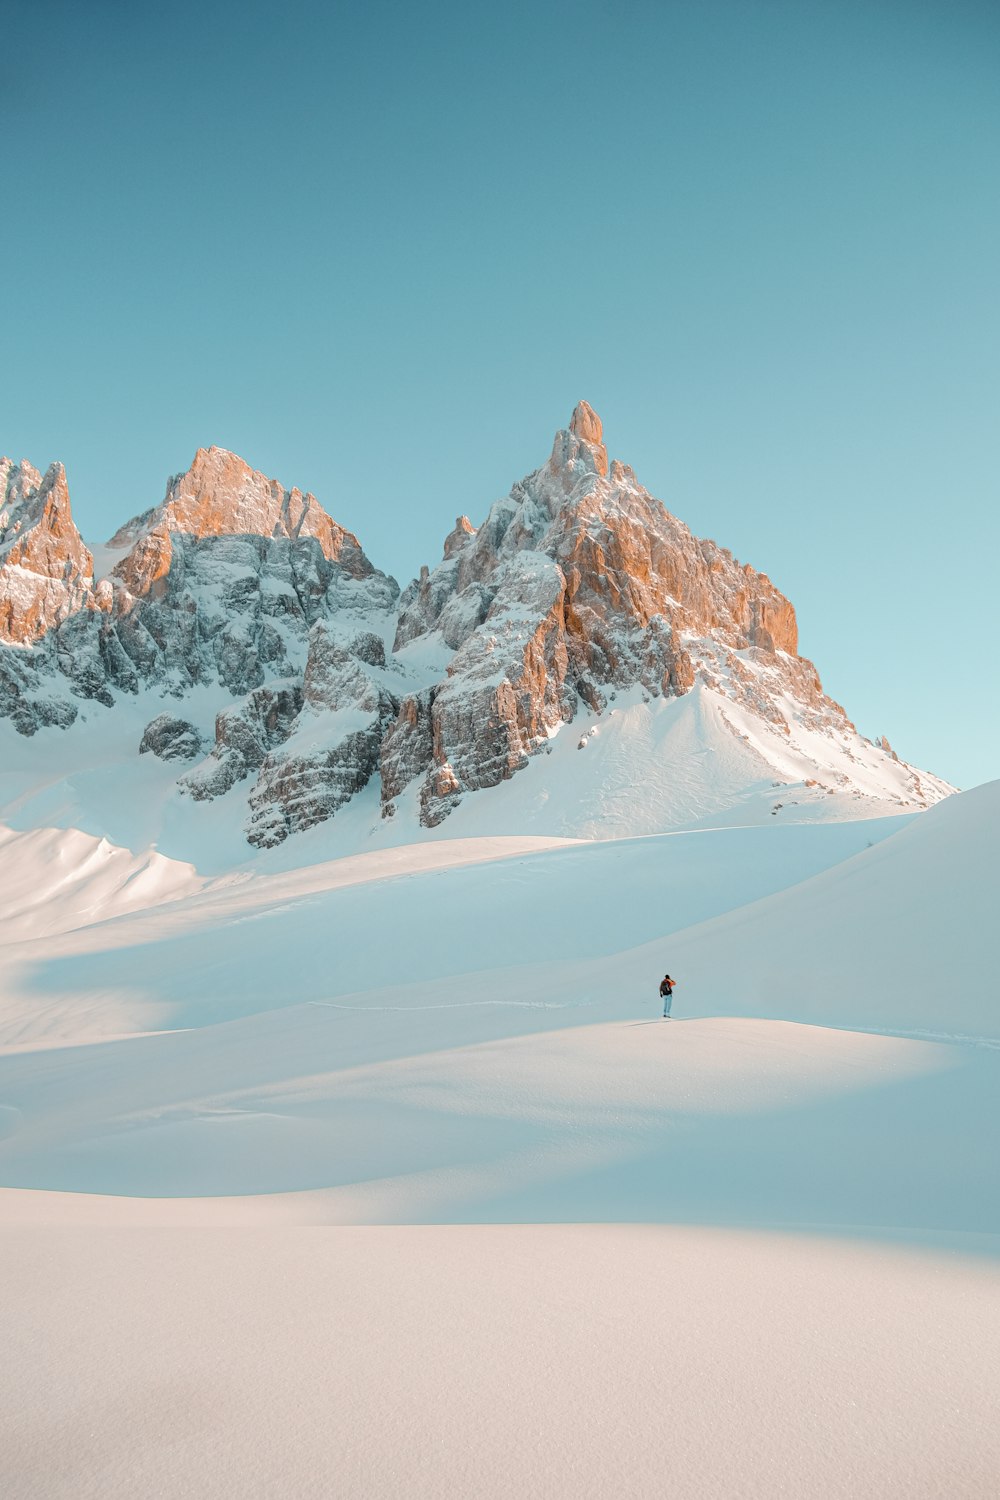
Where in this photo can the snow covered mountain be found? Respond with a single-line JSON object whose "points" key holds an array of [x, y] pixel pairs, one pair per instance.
{"points": [[245, 644]]}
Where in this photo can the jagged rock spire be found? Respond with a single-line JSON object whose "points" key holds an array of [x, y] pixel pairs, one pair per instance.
{"points": [[586, 424], [46, 572], [456, 540], [581, 443]]}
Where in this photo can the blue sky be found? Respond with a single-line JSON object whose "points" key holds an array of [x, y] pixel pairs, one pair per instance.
{"points": [[380, 250]]}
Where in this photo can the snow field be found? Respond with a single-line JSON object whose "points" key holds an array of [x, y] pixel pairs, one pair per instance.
{"points": [[497, 1362], [698, 1121], [53, 880], [462, 1216], [449, 909], [462, 1043]]}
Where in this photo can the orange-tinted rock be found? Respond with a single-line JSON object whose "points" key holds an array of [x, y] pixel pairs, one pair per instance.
{"points": [[220, 495], [46, 573], [580, 446], [226, 577], [457, 539]]}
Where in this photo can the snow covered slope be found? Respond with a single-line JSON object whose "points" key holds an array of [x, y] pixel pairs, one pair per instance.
{"points": [[643, 767], [290, 984], [900, 937], [53, 880]]}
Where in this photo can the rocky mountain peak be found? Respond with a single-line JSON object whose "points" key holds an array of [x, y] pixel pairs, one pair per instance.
{"points": [[219, 496], [580, 446], [17, 482], [578, 587], [46, 571], [27, 496]]}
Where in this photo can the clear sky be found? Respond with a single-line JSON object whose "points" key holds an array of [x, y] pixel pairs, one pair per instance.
{"points": [[381, 249]]}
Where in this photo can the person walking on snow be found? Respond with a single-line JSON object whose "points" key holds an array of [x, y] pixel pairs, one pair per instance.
{"points": [[666, 993]]}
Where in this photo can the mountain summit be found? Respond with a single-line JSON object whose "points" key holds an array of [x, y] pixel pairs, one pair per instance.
{"points": [[45, 570], [220, 495], [577, 586], [298, 672]]}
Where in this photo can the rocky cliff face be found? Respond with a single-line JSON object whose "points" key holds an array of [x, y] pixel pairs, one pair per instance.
{"points": [[576, 587], [333, 751], [225, 579], [46, 573], [47, 600], [218, 587], [220, 495]]}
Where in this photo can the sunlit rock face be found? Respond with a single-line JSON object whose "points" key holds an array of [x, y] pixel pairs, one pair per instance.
{"points": [[226, 577], [51, 630], [220, 495], [46, 573], [578, 584]]}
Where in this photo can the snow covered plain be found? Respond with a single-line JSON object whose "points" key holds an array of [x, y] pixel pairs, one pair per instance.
{"points": [[381, 1177]]}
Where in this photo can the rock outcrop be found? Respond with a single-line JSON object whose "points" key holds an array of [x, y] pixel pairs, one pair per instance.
{"points": [[171, 738], [243, 737], [28, 695], [51, 626], [505, 690], [334, 750], [220, 495]]}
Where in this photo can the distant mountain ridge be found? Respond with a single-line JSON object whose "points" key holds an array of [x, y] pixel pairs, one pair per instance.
{"points": [[577, 591]]}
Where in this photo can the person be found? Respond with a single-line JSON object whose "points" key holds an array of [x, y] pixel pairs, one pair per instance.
{"points": [[666, 992]]}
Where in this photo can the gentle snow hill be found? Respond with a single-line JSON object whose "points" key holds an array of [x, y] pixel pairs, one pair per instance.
{"points": [[898, 936], [448, 1114], [698, 761], [392, 918], [901, 937], [454, 1045]]}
